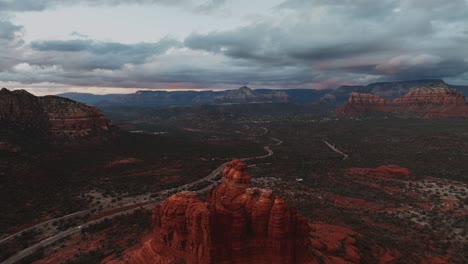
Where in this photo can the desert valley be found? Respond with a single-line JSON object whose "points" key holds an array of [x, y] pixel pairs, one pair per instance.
{"points": [[233, 132], [248, 180]]}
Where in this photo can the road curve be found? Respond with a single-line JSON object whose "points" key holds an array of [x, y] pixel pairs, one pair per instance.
{"points": [[73, 230], [30, 250], [44, 223]]}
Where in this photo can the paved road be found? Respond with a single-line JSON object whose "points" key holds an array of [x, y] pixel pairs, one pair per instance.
{"points": [[73, 230], [45, 223], [210, 177]]}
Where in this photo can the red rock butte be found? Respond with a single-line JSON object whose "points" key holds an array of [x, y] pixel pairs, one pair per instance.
{"points": [[237, 224], [58, 117], [434, 101]]}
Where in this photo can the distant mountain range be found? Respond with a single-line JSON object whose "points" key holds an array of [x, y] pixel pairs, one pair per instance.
{"points": [[432, 101], [387, 90], [391, 90]]}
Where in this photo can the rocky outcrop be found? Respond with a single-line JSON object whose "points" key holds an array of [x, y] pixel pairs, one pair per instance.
{"points": [[433, 101], [360, 103], [21, 108], [237, 224], [71, 119], [390, 90], [393, 172], [247, 95], [334, 244], [54, 117]]}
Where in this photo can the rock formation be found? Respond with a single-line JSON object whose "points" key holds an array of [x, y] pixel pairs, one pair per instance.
{"points": [[247, 95], [55, 117], [334, 244], [71, 119], [237, 224], [21, 108], [434, 101], [394, 172]]}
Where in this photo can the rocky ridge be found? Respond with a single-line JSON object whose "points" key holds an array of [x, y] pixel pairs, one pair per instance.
{"points": [[237, 224], [52, 116], [339, 96], [246, 95], [433, 101]]}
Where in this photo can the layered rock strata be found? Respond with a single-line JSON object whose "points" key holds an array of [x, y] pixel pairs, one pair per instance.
{"points": [[237, 224], [55, 117], [435, 101]]}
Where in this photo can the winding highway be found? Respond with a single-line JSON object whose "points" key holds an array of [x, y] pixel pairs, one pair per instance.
{"points": [[147, 204], [43, 224]]}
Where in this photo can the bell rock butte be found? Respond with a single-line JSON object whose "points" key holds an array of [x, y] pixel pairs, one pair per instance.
{"points": [[433, 101], [237, 224]]}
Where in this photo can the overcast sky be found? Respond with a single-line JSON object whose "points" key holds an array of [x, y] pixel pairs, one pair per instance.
{"points": [[103, 46]]}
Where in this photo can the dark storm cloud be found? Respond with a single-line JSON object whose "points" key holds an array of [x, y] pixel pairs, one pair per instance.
{"points": [[8, 30], [362, 8], [212, 74], [265, 43], [406, 67], [339, 50], [209, 6], [64, 46], [426, 70], [168, 72], [246, 43], [206, 77], [382, 9], [88, 54], [302, 42], [40, 5], [353, 39]]}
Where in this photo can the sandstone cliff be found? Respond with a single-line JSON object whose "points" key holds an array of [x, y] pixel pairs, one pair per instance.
{"points": [[434, 101], [237, 224], [54, 117]]}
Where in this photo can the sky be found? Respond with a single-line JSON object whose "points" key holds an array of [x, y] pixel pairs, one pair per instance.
{"points": [[120, 46]]}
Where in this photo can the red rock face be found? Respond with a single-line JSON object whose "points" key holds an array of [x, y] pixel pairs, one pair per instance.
{"points": [[237, 224], [71, 119], [383, 172], [56, 117], [334, 244], [435, 101], [21, 108]]}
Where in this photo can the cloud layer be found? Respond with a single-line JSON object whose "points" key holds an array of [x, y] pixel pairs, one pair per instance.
{"points": [[41, 5], [300, 43]]}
